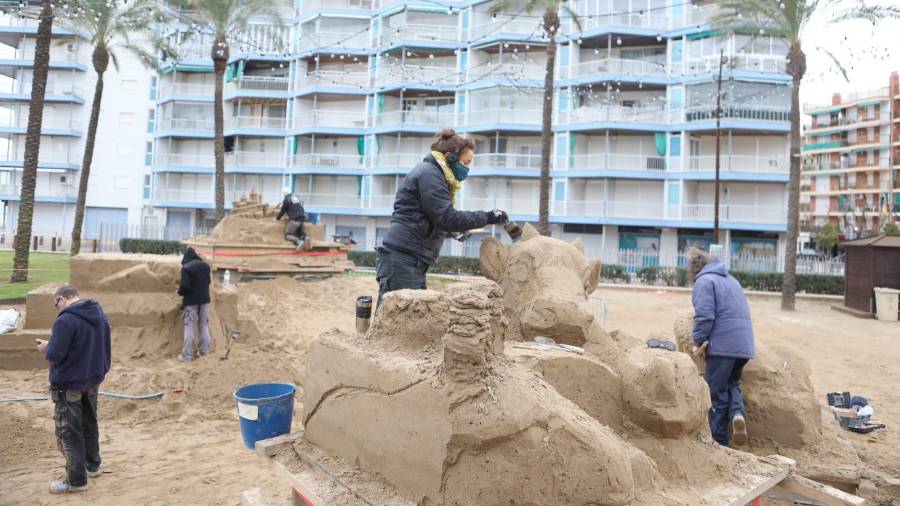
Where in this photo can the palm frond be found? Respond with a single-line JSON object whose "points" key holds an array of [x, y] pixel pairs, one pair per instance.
{"points": [[871, 13], [574, 15], [836, 62], [114, 59]]}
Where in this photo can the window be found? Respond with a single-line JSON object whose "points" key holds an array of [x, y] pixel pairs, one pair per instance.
{"points": [[146, 186], [677, 51], [148, 156], [126, 117], [674, 193], [578, 228], [151, 121], [559, 192], [153, 85], [675, 145], [129, 84]]}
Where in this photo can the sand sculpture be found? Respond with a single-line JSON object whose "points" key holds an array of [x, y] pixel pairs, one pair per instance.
{"points": [[444, 400]]}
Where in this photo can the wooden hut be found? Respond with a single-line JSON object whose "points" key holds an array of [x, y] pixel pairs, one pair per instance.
{"points": [[870, 262]]}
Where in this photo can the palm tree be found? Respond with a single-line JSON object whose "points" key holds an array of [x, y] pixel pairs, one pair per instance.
{"points": [[32, 143], [550, 23], [109, 25], [791, 20], [226, 20]]}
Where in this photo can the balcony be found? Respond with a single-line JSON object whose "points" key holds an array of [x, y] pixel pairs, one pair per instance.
{"points": [[419, 32], [333, 78], [744, 112], [185, 160], [327, 161], [530, 117], [426, 118], [516, 71], [53, 89], [52, 122], [383, 201], [735, 213], [258, 83], [650, 210], [332, 200], [738, 163], [620, 16], [195, 125], [45, 157], [205, 90], [614, 161], [331, 118], [638, 68], [746, 62], [179, 195], [314, 5], [255, 122], [42, 191], [507, 161], [615, 113], [398, 160], [849, 99], [510, 205], [402, 74], [508, 25], [254, 159], [334, 39]]}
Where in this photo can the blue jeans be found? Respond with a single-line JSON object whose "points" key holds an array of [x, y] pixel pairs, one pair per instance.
{"points": [[398, 271], [77, 432], [723, 374]]}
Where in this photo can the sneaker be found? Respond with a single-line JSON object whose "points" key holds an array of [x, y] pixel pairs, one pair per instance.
{"points": [[739, 430], [93, 474], [307, 243], [182, 358], [62, 487]]}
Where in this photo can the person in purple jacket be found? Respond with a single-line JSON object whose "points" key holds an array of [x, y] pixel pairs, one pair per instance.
{"points": [[722, 319]]}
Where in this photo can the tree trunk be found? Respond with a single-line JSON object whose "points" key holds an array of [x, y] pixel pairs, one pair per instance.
{"points": [[220, 55], [101, 62], [551, 26], [796, 67], [32, 143]]}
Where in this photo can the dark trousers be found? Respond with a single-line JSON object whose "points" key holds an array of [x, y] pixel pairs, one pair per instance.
{"points": [[723, 374], [295, 232], [397, 271], [77, 432]]}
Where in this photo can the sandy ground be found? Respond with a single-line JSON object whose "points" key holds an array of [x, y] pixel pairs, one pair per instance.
{"points": [[186, 448]]}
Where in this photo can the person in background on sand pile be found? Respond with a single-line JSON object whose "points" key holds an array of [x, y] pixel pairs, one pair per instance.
{"points": [[721, 319], [194, 289], [295, 232], [424, 214], [79, 352]]}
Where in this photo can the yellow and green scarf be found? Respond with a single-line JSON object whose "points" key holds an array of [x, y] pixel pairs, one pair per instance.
{"points": [[448, 173]]}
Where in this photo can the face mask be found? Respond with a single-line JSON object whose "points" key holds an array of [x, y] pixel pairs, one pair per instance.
{"points": [[460, 171]]}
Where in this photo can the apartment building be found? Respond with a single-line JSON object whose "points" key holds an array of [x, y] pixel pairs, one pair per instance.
{"points": [[119, 174], [852, 159], [349, 104]]}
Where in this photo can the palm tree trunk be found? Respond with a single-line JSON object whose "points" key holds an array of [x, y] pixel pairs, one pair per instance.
{"points": [[101, 62], [32, 143], [220, 62], [796, 68], [551, 26]]}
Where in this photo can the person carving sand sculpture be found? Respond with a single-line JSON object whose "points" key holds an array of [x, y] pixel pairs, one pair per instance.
{"points": [[295, 231], [424, 215], [721, 319]]}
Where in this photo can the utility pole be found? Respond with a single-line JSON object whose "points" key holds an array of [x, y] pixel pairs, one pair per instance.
{"points": [[722, 61]]}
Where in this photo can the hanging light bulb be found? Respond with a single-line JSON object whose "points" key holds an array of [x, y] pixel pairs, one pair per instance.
{"points": [[618, 41]]}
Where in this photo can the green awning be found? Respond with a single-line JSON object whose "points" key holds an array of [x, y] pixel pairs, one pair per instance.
{"points": [[428, 8], [871, 102], [190, 68], [660, 138]]}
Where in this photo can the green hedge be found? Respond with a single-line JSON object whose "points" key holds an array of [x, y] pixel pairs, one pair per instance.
{"points": [[614, 274], [808, 283], [362, 258], [153, 246]]}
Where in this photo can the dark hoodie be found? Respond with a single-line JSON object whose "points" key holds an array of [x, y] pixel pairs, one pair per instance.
{"points": [[79, 348], [195, 279]]}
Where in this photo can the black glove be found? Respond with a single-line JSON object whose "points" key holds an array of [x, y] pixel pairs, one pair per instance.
{"points": [[497, 217]]}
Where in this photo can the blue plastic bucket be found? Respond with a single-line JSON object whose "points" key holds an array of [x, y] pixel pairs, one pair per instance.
{"points": [[265, 410]]}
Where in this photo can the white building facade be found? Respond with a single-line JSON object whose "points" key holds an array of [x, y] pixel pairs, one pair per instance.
{"points": [[119, 173]]}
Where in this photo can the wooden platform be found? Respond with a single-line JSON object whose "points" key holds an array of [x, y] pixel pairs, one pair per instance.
{"points": [[317, 479]]}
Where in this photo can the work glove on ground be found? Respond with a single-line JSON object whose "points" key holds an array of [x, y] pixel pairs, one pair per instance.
{"points": [[497, 217]]}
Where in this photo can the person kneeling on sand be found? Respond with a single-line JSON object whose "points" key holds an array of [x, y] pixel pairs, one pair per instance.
{"points": [[721, 319], [295, 231], [79, 352], [194, 289]]}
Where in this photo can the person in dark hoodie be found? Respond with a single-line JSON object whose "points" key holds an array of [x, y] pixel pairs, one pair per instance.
{"points": [[722, 319], [424, 214], [194, 288], [79, 352]]}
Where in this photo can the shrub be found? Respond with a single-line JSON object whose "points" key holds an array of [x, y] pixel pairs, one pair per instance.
{"points": [[151, 246], [648, 275], [773, 281], [362, 258], [444, 265], [613, 273]]}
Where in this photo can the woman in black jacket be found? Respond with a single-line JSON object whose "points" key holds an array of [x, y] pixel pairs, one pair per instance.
{"points": [[424, 214]]}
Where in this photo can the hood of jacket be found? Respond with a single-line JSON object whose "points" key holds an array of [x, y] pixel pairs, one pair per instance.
{"points": [[189, 256], [88, 310], [714, 267]]}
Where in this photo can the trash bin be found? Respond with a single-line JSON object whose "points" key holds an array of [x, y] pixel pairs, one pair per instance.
{"points": [[886, 302]]}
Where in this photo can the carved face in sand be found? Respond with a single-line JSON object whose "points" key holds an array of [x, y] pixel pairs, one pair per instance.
{"points": [[546, 283]]}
